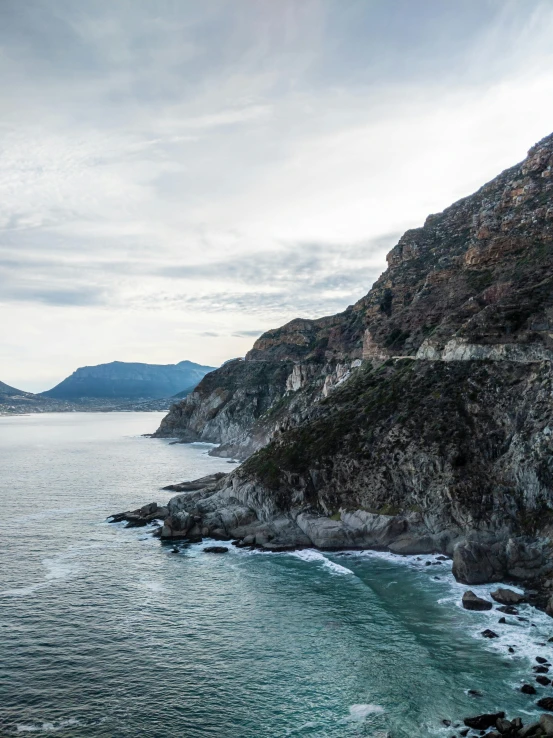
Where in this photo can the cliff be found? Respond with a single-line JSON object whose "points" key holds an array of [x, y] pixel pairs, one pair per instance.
{"points": [[420, 419], [475, 282]]}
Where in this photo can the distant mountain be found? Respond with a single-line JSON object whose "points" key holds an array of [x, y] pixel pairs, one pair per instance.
{"points": [[125, 380], [7, 391]]}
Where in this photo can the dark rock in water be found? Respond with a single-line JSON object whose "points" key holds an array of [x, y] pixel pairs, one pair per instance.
{"points": [[474, 693], [216, 550], [543, 680], [511, 649], [503, 726], [507, 597], [483, 722], [523, 620], [540, 669], [174, 550], [464, 732], [528, 689], [508, 610], [447, 723], [541, 660], [546, 703], [140, 517], [442, 558], [489, 633], [138, 523], [473, 602], [428, 563], [502, 621]]}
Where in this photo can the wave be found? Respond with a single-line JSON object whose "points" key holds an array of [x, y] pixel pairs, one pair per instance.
{"points": [[310, 554]]}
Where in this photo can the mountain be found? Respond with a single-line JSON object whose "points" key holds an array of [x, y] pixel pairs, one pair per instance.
{"points": [[420, 419], [130, 381], [7, 391]]}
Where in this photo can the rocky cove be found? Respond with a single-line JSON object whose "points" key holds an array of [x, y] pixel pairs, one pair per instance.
{"points": [[418, 421]]}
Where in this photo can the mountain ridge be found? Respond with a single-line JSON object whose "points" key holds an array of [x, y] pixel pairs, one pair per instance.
{"points": [[129, 380]]}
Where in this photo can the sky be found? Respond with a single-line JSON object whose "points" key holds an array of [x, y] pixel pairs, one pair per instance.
{"points": [[177, 177]]}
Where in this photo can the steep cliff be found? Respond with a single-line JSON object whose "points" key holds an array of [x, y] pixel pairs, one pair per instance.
{"points": [[420, 419], [475, 282]]}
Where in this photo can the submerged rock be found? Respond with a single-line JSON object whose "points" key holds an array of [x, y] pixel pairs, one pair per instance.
{"points": [[216, 550]]}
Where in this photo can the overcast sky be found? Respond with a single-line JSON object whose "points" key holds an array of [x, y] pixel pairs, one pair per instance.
{"points": [[178, 176]]}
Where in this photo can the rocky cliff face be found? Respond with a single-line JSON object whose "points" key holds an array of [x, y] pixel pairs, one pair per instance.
{"points": [[475, 282], [417, 419]]}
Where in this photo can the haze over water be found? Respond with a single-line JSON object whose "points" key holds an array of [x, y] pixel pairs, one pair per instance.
{"points": [[105, 632]]}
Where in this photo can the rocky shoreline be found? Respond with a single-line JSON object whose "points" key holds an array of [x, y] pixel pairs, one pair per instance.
{"points": [[193, 515]]}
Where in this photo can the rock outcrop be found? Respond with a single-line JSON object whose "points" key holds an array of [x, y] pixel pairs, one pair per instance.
{"points": [[420, 419]]}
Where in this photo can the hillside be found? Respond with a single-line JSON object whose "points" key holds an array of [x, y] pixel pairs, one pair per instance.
{"points": [[129, 381], [421, 418], [7, 391]]}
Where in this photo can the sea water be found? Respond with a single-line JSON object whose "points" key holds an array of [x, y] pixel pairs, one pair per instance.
{"points": [[106, 632]]}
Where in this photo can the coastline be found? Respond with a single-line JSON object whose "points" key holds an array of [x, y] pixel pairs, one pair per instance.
{"points": [[525, 635]]}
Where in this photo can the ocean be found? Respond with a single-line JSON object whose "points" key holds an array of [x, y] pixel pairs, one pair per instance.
{"points": [[105, 632]]}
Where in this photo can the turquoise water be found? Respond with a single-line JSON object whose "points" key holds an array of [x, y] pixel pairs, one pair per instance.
{"points": [[105, 632]]}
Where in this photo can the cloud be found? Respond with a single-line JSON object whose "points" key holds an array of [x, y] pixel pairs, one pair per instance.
{"points": [[191, 169]]}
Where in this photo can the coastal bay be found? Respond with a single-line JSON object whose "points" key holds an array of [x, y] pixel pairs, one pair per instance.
{"points": [[117, 635]]}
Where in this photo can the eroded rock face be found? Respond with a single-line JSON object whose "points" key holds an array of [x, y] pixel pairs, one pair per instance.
{"points": [[475, 283], [421, 418]]}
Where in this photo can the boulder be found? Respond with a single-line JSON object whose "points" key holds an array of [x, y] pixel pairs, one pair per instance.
{"points": [[508, 610], [530, 730], [471, 601], [503, 725], [546, 703], [546, 722], [215, 549], [541, 660], [543, 680], [540, 669], [478, 563], [507, 597], [489, 633], [528, 689], [483, 722]]}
